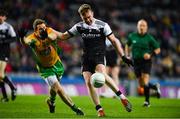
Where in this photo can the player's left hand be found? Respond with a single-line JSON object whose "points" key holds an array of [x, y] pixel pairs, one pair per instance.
{"points": [[147, 56], [127, 61], [43, 34]]}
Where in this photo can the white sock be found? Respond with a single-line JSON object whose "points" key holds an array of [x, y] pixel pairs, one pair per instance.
{"points": [[122, 96]]}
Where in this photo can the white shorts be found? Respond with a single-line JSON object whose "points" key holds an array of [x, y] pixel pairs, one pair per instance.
{"points": [[51, 80]]}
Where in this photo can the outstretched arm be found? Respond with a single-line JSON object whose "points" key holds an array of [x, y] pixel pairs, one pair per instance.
{"points": [[59, 35]]}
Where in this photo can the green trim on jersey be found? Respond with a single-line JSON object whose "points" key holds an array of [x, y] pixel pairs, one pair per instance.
{"points": [[55, 45], [35, 57], [57, 69], [141, 44]]}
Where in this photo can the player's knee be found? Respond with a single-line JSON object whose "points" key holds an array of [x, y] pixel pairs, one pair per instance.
{"points": [[54, 88]]}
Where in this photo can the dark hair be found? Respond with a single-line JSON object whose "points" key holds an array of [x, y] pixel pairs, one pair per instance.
{"points": [[37, 22], [3, 12]]}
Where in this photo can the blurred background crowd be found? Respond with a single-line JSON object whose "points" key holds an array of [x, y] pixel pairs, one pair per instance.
{"points": [[122, 15]]}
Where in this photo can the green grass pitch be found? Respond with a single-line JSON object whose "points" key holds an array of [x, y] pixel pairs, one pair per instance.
{"points": [[35, 107]]}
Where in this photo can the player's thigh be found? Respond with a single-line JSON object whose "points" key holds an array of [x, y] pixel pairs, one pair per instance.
{"points": [[138, 65], [137, 70], [87, 64], [100, 63], [87, 76], [58, 88], [2, 69], [146, 70], [108, 69], [51, 81], [146, 67], [115, 70], [101, 68]]}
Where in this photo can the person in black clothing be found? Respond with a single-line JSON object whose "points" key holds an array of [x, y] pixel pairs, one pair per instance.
{"points": [[7, 35], [94, 33]]}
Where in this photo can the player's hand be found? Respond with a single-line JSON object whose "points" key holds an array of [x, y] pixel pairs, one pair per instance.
{"points": [[22, 32], [127, 61], [52, 36], [147, 56], [43, 34]]}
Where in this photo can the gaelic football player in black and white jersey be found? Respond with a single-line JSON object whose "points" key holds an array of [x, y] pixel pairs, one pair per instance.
{"points": [[94, 33], [7, 35]]}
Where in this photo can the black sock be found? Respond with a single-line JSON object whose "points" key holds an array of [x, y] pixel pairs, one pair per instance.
{"points": [[118, 93], [9, 82], [98, 107], [3, 89], [152, 86], [146, 93]]}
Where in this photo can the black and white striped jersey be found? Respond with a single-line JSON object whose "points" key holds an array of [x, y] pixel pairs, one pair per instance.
{"points": [[7, 35], [93, 36]]}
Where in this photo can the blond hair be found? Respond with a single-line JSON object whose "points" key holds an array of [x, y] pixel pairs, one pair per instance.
{"points": [[83, 8], [37, 22]]}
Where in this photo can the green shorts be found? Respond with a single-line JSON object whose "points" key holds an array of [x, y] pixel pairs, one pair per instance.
{"points": [[57, 69]]}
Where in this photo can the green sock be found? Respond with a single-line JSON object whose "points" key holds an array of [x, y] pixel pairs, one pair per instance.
{"points": [[74, 108], [52, 96]]}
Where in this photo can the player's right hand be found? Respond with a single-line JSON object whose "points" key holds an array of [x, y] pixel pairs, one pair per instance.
{"points": [[22, 32]]}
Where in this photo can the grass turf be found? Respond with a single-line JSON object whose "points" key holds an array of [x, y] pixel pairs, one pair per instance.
{"points": [[35, 107]]}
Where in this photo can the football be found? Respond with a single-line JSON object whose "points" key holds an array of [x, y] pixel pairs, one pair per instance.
{"points": [[97, 80]]}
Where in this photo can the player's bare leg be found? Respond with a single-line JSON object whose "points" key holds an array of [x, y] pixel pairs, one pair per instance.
{"points": [[66, 99], [93, 94], [51, 101], [109, 81], [114, 72], [57, 88], [91, 89], [2, 84]]}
